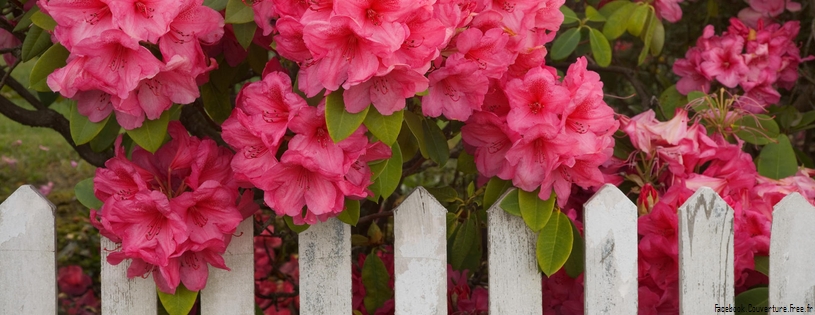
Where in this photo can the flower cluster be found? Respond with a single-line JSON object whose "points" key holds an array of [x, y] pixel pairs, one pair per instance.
{"points": [[173, 212], [313, 171], [543, 133], [380, 51], [766, 10], [759, 60], [274, 275], [76, 296], [112, 66]]}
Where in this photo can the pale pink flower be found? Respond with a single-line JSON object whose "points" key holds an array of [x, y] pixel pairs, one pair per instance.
{"points": [[456, 90]]}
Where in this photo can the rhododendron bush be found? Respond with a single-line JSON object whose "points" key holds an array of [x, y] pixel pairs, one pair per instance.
{"points": [[200, 114]]}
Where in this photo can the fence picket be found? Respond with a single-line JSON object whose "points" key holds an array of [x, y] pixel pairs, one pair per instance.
{"points": [[233, 292], [28, 272], [705, 253], [610, 231], [123, 296], [420, 255], [325, 268], [792, 253], [514, 279]]}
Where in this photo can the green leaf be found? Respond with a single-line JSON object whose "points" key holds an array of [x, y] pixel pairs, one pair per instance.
{"points": [[244, 33], [237, 12], [465, 163], [85, 196], [593, 15], [495, 188], [216, 5], [646, 37], [618, 21], [436, 142], [388, 180], [658, 38], [216, 103], [53, 58], [669, 100], [609, 8], [805, 159], [36, 42], [600, 47], [444, 194], [638, 18], [150, 136], [777, 160], [762, 264], [43, 20], [294, 227], [384, 128], [464, 240], [407, 142], [25, 20], [82, 129], [179, 303], [510, 203], [565, 44], [569, 16], [695, 95], [755, 298], [107, 136], [554, 244], [534, 211], [351, 213], [375, 279], [575, 264], [414, 123], [756, 129], [340, 122]]}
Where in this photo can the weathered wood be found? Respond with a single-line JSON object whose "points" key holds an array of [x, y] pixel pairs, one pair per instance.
{"points": [[420, 255], [325, 269], [792, 253], [514, 279], [705, 253], [233, 292], [610, 231], [123, 296], [28, 273]]}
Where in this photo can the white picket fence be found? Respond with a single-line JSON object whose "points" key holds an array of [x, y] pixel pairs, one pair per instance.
{"points": [[28, 271]]}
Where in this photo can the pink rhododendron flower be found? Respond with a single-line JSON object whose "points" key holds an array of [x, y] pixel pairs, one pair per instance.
{"points": [[387, 91], [456, 90]]}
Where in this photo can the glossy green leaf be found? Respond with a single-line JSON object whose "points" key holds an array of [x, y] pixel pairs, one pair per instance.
{"points": [[414, 123], [534, 211], [82, 129], [350, 214], [25, 20], [609, 8], [762, 264], [777, 160], [554, 244], [237, 12], [754, 298], [444, 194], [150, 136], [575, 264], [593, 15], [658, 38], [216, 5], [384, 128], [670, 100], [495, 188], [216, 103], [388, 179], [107, 136], [294, 227], [340, 122], [646, 37], [600, 47], [36, 42], [407, 142], [510, 203], [569, 17], [375, 279], [465, 163], [435, 141], [756, 129], [179, 303], [85, 196], [43, 20], [565, 44], [617, 22], [244, 33], [463, 242], [53, 58], [638, 18]]}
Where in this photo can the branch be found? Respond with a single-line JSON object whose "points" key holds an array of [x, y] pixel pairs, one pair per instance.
{"points": [[375, 216], [199, 124]]}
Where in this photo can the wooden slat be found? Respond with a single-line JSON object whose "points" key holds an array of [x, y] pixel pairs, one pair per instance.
{"points": [[27, 254], [420, 255], [610, 231], [233, 292], [792, 253], [514, 279], [325, 269], [122, 296], [705, 253]]}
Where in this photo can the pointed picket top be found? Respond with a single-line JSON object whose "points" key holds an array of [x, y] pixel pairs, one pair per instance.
{"points": [[28, 273], [325, 268], [514, 279], [610, 232], [705, 253], [792, 252], [123, 296], [420, 255], [233, 291]]}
